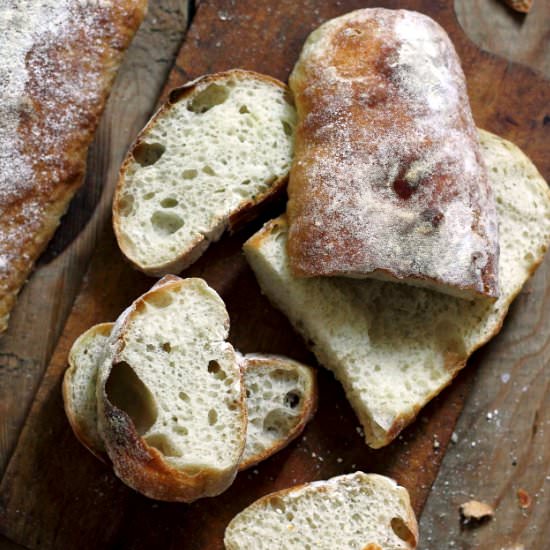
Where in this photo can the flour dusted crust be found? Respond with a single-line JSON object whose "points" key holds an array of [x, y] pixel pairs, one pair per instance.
{"points": [[59, 59], [388, 179]]}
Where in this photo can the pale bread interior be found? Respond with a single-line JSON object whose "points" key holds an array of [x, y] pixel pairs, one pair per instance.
{"points": [[355, 511], [394, 347], [177, 378], [198, 162], [279, 401]]}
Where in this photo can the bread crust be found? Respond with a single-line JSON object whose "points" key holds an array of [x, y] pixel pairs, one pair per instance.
{"points": [[309, 406], [91, 50], [247, 210], [388, 180], [139, 465]]}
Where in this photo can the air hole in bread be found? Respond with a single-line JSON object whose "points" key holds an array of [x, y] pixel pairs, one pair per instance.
{"points": [[212, 95], [274, 422], [127, 392], [166, 347], [287, 128], [183, 396], [243, 110], [208, 170], [245, 182], [212, 417], [148, 196], [292, 399], [168, 202], [126, 205], [189, 174], [162, 444], [181, 430], [166, 223], [215, 369], [147, 154], [247, 394], [159, 299], [400, 528], [278, 505]]}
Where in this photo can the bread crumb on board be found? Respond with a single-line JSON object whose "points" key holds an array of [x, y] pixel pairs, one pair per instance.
{"points": [[524, 499], [474, 512]]}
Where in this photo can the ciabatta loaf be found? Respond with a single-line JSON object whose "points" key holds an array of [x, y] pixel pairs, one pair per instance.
{"points": [[59, 59], [170, 401], [350, 512], [388, 179], [394, 347], [218, 148], [281, 397]]}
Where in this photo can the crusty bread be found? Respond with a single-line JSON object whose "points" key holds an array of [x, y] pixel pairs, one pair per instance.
{"points": [[281, 396], [79, 386], [170, 399], [388, 180], [352, 512], [221, 145], [395, 347], [59, 59]]}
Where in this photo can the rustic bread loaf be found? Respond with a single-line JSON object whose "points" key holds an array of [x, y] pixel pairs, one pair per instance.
{"points": [[219, 147], [281, 396], [352, 512], [388, 180], [170, 402], [59, 59], [395, 347]]}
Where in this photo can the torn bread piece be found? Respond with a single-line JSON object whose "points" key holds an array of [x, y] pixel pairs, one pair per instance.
{"points": [[395, 347], [388, 179], [281, 397], [219, 147], [170, 399], [356, 511]]}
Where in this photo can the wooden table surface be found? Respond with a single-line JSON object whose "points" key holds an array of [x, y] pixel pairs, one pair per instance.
{"points": [[502, 442]]}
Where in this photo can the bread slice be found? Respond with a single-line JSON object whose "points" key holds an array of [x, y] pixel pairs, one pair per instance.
{"points": [[395, 347], [355, 511], [221, 145], [281, 397], [170, 400], [79, 386]]}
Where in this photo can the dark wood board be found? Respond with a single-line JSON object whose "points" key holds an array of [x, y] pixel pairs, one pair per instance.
{"points": [[55, 495]]}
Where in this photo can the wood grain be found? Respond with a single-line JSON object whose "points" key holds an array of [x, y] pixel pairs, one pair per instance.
{"points": [[43, 305], [497, 454], [55, 495]]}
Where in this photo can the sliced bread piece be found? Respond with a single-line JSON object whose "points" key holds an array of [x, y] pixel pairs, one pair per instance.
{"points": [[170, 400], [355, 511], [281, 397], [219, 147], [392, 347], [79, 387]]}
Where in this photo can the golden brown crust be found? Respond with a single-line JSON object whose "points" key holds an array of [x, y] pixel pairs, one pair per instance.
{"points": [[57, 120], [309, 406], [376, 188], [139, 465], [246, 212], [523, 6]]}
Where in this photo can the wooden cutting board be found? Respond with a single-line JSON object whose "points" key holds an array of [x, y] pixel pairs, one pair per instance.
{"points": [[54, 494]]}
